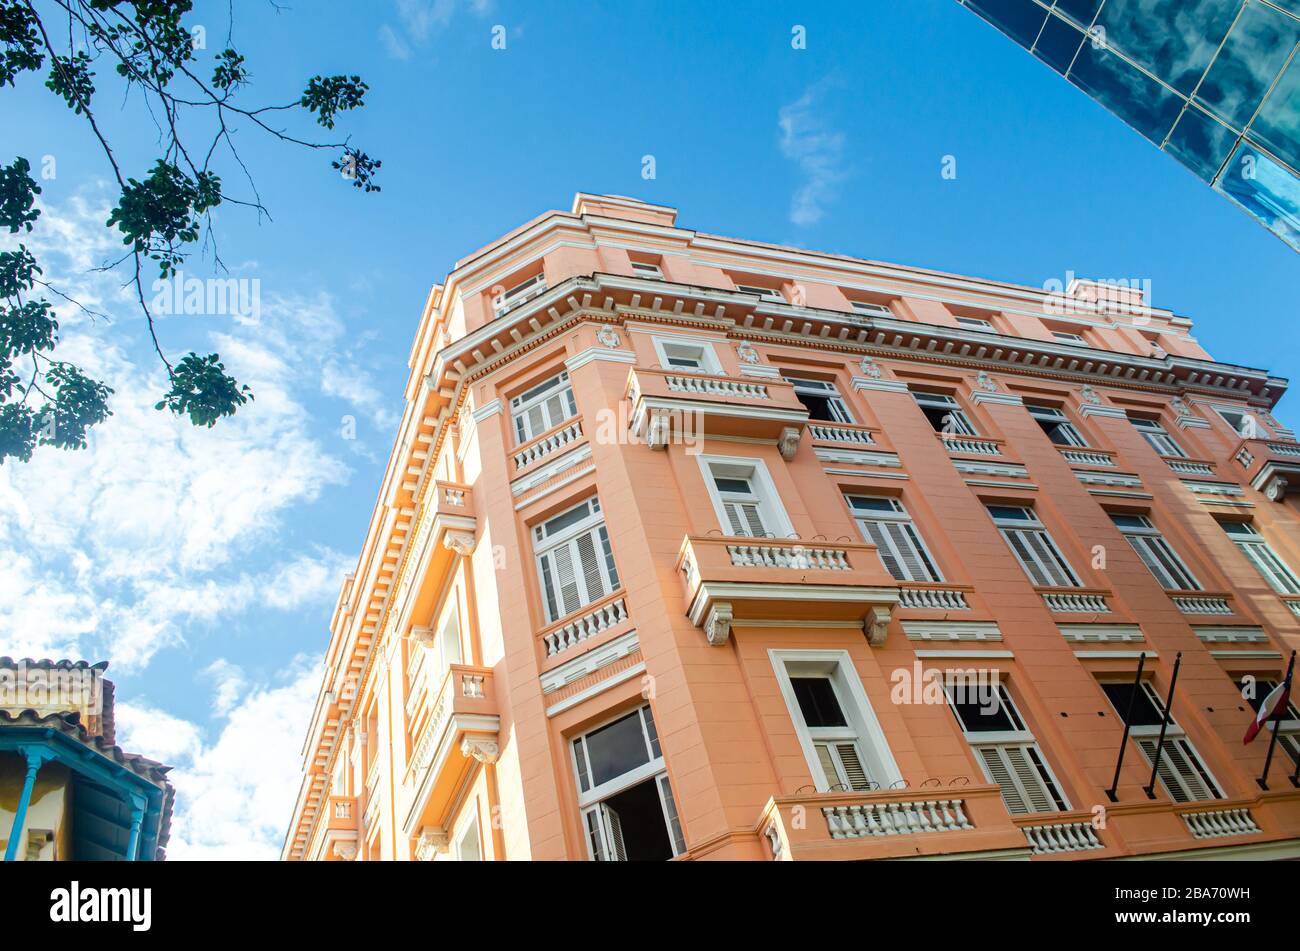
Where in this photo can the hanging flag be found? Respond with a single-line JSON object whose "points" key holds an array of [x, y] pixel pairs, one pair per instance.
{"points": [[1276, 700]]}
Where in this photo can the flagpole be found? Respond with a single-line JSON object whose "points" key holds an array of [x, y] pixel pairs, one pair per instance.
{"points": [[1277, 721], [1164, 727], [1128, 718]]}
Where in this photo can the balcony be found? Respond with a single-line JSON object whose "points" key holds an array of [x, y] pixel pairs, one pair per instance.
{"points": [[970, 445], [1060, 833], [960, 821], [461, 727], [608, 614], [933, 596], [674, 406], [1087, 457], [447, 528], [1074, 600], [1272, 466], [842, 434], [731, 579], [339, 830], [548, 444], [1214, 603]]}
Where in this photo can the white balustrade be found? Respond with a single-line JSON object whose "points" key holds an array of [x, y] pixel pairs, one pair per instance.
{"points": [[1190, 468], [585, 626], [939, 598], [840, 434], [896, 818], [788, 556], [1065, 603], [1062, 837], [707, 386], [978, 447], [1220, 822], [544, 447], [1085, 458], [1197, 605]]}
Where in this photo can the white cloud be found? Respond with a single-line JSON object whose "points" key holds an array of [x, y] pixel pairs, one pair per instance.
{"points": [[817, 149], [234, 796], [115, 549], [418, 20]]}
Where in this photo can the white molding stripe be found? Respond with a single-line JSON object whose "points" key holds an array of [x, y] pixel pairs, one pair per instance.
{"points": [[1229, 634], [1100, 633], [952, 631], [862, 457], [972, 654], [1114, 655], [1246, 655], [597, 688], [486, 410], [1002, 399], [579, 360]]}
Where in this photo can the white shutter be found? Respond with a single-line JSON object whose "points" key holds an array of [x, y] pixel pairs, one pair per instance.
{"points": [[577, 572], [613, 833], [851, 763], [900, 549], [1018, 770], [1163, 562], [829, 773], [1181, 771], [746, 519], [670, 813], [1040, 558], [1268, 564]]}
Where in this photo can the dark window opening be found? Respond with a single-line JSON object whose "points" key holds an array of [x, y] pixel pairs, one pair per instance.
{"points": [[640, 817], [819, 407], [1145, 712], [817, 702]]}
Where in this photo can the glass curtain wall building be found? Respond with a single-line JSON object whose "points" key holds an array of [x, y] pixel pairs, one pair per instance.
{"points": [[1215, 83]]}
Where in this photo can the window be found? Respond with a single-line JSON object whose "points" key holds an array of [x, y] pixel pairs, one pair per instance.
{"points": [[822, 400], [574, 559], [523, 291], [1254, 692], [944, 413], [444, 653], [767, 293], [683, 353], [468, 846], [1033, 547], [1275, 571], [647, 270], [627, 804], [1245, 423], [1057, 426], [1005, 747], [1156, 553], [1067, 337], [1155, 434], [871, 310], [842, 741], [885, 523], [975, 323], [745, 498], [1181, 771], [543, 407]]}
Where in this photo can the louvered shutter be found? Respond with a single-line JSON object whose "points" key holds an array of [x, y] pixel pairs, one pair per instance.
{"points": [[1273, 569], [1163, 562], [670, 811], [1000, 772], [614, 834], [876, 534], [585, 545], [1024, 783], [745, 519], [593, 834], [852, 763], [566, 581], [829, 773], [1038, 556], [1180, 770]]}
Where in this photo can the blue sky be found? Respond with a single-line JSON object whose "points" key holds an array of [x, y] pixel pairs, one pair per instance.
{"points": [[204, 565]]}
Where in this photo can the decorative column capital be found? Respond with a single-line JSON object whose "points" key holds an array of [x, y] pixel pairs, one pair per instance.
{"points": [[876, 625], [433, 839], [717, 626]]}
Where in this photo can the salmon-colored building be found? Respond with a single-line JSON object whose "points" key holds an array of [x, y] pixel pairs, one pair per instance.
{"points": [[698, 547]]}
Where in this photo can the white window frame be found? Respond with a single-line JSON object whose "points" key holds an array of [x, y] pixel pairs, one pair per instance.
{"points": [[707, 360], [899, 515], [541, 393], [1158, 437], [1279, 575], [1154, 550], [591, 801], [525, 290], [468, 827], [871, 309], [1056, 417], [764, 493], [1038, 567], [876, 757], [827, 390], [1021, 739], [962, 425], [1066, 336], [545, 544], [1261, 431], [975, 323], [766, 293], [647, 270], [1176, 737]]}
